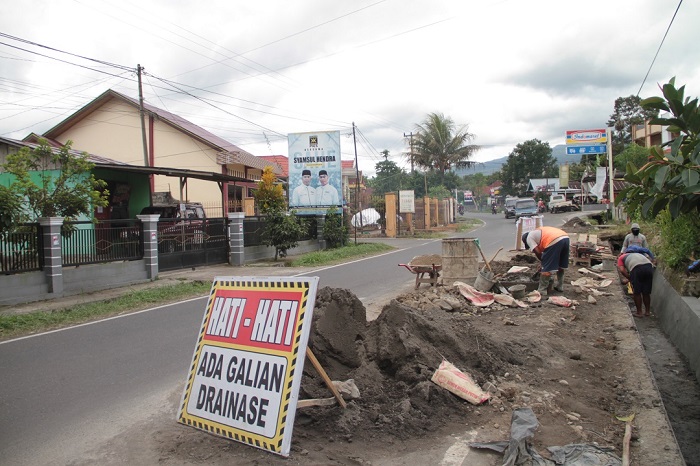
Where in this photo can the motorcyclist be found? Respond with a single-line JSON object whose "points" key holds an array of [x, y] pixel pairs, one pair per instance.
{"points": [[493, 208]]}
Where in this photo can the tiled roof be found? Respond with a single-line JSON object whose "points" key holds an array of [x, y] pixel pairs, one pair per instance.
{"points": [[280, 160]]}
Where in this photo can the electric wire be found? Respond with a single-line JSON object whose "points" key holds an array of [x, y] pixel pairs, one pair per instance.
{"points": [[659, 49]]}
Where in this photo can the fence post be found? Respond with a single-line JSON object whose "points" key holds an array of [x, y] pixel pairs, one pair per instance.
{"points": [[320, 222], [150, 244], [390, 215], [53, 267], [236, 255]]}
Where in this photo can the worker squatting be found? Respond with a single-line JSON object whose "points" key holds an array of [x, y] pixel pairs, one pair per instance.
{"points": [[242, 372]]}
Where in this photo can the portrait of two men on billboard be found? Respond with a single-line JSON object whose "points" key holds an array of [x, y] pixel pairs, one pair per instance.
{"points": [[315, 171]]}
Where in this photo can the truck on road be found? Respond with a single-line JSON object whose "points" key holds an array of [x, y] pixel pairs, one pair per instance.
{"points": [[559, 203]]}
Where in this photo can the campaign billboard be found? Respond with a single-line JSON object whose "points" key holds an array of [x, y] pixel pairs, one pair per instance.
{"points": [[243, 382], [315, 171]]}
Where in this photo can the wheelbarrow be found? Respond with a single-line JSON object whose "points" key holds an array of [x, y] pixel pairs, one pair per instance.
{"points": [[429, 265]]}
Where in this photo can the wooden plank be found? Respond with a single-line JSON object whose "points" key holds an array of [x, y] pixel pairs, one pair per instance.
{"points": [[316, 402], [326, 379]]}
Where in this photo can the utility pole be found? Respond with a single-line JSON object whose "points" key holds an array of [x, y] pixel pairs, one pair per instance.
{"points": [[357, 182], [143, 121], [410, 135], [425, 175]]}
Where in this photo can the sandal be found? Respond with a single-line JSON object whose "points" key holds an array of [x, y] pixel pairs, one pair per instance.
{"points": [[638, 315]]}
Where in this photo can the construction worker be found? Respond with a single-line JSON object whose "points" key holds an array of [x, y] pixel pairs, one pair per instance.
{"points": [[551, 246]]}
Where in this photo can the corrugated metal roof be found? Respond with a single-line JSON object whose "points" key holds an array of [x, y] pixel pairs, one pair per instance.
{"points": [[235, 153], [107, 163]]}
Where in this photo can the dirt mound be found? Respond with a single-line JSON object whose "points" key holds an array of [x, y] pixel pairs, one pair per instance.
{"points": [[393, 358]]}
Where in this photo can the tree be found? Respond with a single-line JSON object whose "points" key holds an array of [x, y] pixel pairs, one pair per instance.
{"points": [[282, 229], [628, 112], [54, 182], [439, 144], [389, 176], [10, 209], [530, 159], [668, 180], [634, 153]]}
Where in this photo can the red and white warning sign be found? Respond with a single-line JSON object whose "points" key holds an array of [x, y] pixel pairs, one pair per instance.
{"points": [[244, 379]]}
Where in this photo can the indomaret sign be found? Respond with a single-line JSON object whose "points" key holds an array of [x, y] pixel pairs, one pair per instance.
{"points": [[245, 375]]}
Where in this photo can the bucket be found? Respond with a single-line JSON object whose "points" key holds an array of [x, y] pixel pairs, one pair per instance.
{"points": [[484, 281], [460, 260], [517, 291]]}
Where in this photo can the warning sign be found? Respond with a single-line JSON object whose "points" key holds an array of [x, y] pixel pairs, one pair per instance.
{"points": [[244, 379]]}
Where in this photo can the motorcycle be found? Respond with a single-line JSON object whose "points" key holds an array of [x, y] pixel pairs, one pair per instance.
{"points": [[493, 209]]}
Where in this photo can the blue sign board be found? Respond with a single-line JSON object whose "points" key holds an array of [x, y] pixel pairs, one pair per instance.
{"points": [[586, 149]]}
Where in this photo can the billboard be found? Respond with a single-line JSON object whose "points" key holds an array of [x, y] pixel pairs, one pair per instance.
{"points": [[315, 171], [587, 136], [243, 382]]}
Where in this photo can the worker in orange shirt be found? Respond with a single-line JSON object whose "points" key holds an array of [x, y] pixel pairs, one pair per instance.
{"points": [[551, 246]]}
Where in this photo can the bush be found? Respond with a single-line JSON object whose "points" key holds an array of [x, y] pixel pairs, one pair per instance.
{"points": [[335, 232], [679, 238]]}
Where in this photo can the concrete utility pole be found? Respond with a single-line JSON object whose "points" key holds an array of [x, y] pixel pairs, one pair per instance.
{"points": [[357, 182], [143, 121], [411, 144]]}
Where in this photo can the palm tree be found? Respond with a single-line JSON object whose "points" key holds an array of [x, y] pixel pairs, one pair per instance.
{"points": [[440, 145]]}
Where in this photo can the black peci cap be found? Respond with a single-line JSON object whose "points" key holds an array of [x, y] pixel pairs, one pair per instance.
{"points": [[524, 238]]}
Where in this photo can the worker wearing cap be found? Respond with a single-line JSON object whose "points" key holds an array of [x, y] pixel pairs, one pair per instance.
{"points": [[551, 246], [635, 238]]}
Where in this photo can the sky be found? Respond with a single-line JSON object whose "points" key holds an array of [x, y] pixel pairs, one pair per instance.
{"points": [[252, 72]]}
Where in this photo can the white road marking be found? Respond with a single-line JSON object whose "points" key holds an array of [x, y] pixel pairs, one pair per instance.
{"points": [[458, 452]]}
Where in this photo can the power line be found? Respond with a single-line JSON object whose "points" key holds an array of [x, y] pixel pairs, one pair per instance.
{"points": [[659, 49]]}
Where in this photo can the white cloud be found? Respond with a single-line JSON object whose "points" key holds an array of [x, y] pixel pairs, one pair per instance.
{"points": [[511, 70]]}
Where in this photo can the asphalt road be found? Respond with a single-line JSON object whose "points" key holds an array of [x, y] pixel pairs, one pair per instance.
{"points": [[63, 392]]}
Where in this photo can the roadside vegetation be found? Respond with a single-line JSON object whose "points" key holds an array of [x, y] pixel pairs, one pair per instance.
{"points": [[14, 325]]}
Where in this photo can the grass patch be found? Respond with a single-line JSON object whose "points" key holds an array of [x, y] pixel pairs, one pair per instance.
{"points": [[23, 324], [331, 256]]}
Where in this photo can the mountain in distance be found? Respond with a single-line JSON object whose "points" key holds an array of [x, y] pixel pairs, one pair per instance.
{"points": [[491, 166]]}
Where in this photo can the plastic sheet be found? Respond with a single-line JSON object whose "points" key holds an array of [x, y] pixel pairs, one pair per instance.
{"points": [[519, 450]]}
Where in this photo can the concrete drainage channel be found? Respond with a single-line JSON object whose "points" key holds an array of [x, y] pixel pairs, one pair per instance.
{"points": [[677, 384]]}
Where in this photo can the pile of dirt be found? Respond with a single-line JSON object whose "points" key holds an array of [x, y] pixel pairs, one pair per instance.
{"points": [[575, 367], [556, 360]]}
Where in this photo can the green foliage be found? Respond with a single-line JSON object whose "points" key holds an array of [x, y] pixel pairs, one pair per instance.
{"points": [[335, 232], [635, 154], [389, 178], [530, 159], [10, 209], [66, 188], [679, 238], [668, 180], [336, 255], [13, 325], [282, 230], [439, 192], [440, 145], [628, 112]]}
